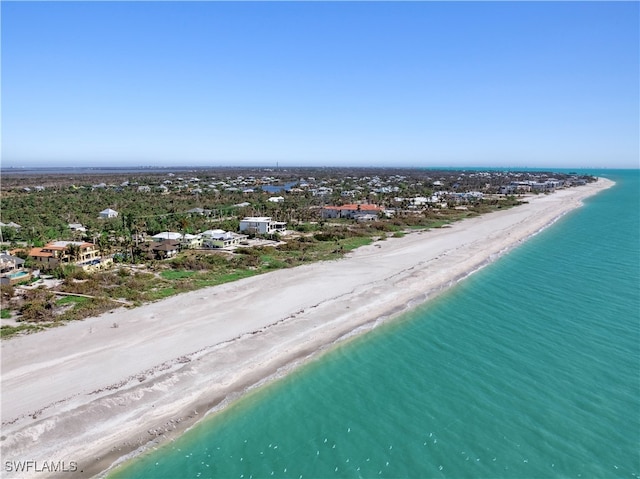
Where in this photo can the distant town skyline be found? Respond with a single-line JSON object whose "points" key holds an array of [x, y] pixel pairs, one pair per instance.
{"points": [[408, 84]]}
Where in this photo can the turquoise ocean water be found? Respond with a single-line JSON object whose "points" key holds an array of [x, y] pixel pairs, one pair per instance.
{"points": [[529, 368]]}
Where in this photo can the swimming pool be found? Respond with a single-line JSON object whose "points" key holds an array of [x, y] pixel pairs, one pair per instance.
{"points": [[17, 274]]}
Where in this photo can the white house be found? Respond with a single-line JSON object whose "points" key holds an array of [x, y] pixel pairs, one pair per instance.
{"points": [[191, 241], [108, 213], [167, 235], [321, 191], [220, 238], [77, 227], [12, 269], [261, 225], [352, 211], [276, 199]]}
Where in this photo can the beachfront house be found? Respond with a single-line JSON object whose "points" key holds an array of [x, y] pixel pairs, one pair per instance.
{"points": [[221, 238], [52, 254], [352, 211], [162, 249], [108, 213], [12, 269], [167, 235], [261, 225], [166, 249], [189, 241]]}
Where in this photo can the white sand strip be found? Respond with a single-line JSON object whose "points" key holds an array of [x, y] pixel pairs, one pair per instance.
{"points": [[90, 393]]}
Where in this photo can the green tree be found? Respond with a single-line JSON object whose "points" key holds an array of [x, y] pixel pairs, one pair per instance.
{"points": [[73, 250]]}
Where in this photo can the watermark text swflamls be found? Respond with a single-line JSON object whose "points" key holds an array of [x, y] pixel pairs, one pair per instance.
{"points": [[40, 466]]}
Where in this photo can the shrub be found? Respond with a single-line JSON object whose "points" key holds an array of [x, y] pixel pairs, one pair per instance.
{"points": [[329, 236], [305, 227], [7, 292], [37, 310]]}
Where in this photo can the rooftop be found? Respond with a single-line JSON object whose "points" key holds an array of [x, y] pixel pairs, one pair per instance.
{"points": [[257, 218], [355, 207]]}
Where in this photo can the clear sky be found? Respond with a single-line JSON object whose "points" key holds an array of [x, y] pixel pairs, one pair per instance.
{"points": [[548, 84]]}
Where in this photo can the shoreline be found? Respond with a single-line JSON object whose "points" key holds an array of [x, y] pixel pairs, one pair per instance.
{"points": [[95, 394]]}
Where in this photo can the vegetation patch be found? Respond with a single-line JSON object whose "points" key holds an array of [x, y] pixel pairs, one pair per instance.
{"points": [[177, 274], [71, 300], [160, 293], [353, 243], [9, 331]]}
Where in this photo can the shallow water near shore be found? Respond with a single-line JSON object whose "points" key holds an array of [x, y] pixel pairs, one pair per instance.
{"points": [[528, 368]]}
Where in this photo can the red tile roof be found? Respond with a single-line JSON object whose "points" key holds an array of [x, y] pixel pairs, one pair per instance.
{"points": [[37, 252]]}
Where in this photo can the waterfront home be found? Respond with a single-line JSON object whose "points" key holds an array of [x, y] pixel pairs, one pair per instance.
{"points": [[160, 249], [57, 252], [190, 241], [351, 211], [12, 269], [167, 235], [221, 238], [261, 225], [166, 249], [321, 191], [108, 213]]}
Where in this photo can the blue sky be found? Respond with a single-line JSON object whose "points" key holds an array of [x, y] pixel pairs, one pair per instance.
{"points": [[546, 84]]}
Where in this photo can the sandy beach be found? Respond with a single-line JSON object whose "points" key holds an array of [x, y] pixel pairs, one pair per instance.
{"points": [[82, 396]]}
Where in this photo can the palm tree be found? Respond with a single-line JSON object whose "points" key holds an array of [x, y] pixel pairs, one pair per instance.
{"points": [[103, 244], [73, 250]]}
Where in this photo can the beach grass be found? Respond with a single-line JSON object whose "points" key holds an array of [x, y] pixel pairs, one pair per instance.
{"points": [[356, 242], [176, 274], [71, 300], [7, 331]]}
